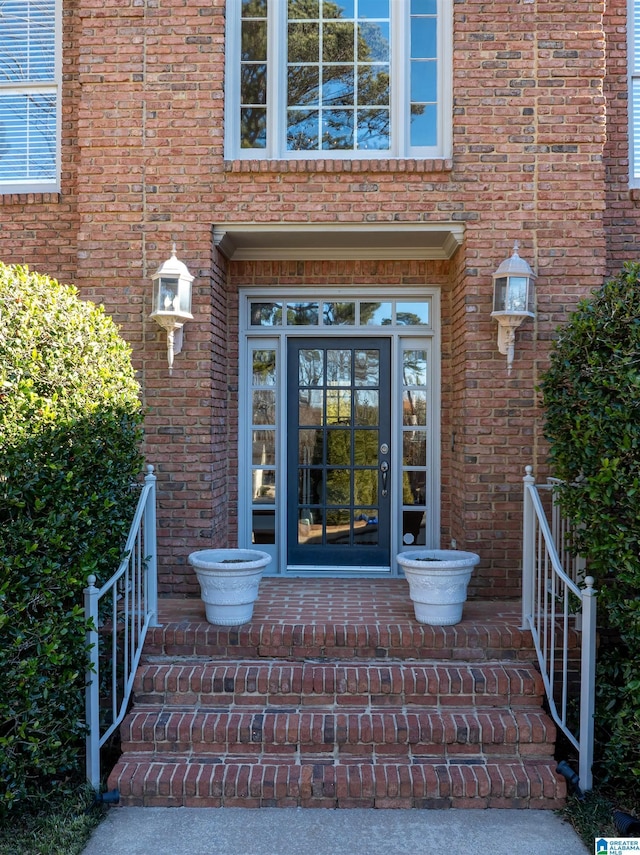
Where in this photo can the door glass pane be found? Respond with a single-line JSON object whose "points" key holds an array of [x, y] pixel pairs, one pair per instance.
{"points": [[338, 407], [263, 407], [365, 486], [414, 368], [263, 524], [310, 526], [414, 485], [365, 527], [414, 407], [310, 407], [338, 486], [339, 448], [366, 407], [339, 367], [338, 527], [263, 447], [310, 486], [263, 454], [367, 367], [414, 528], [264, 485], [264, 367], [365, 452], [414, 448], [310, 447], [310, 368]]}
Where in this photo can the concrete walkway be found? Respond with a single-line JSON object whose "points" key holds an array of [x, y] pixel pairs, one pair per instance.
{"points": [[291, 831]]}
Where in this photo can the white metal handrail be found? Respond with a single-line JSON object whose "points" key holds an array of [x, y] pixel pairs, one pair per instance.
{"points": [[547, 591], [133, 608]]}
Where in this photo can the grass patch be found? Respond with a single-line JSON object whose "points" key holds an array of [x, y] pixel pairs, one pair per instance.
{"points": [[63, 828], [591, 817]]}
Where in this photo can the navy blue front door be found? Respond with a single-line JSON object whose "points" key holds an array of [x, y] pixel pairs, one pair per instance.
{"points": [[338, 453]]}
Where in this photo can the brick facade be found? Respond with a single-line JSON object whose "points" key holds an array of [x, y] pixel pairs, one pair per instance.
{"points": [[539, 155]]}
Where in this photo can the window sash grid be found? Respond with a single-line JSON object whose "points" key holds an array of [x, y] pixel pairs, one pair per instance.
{"points": [[399, 92]]}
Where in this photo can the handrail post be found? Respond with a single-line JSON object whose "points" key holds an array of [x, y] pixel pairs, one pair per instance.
{"points": [[588, 684], [528, 548], [151, 548], [92, 679]]}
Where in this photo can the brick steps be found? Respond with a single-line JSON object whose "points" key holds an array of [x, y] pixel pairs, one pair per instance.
{"points": [[313, 710], [171, 782], [334, 734], [304, 683], [261, 735], [475, 640]]}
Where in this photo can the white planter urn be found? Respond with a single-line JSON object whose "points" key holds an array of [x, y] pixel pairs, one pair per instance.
{"points": [[438, 580], [229, 581]]}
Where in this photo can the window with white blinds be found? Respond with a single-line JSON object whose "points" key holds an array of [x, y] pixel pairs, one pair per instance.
{"points": [[634, 92], [29, 95]]}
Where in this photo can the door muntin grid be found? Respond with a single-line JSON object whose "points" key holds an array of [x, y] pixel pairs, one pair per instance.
{"points": [[338, 452]]}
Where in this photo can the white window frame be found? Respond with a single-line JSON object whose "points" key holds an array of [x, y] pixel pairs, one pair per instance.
{"points": [[276, 88], [633, 56], [39, 87], [275, 338]]}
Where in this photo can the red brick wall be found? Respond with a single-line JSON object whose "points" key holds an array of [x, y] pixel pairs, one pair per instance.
{"points": [[143, 165], [622, 214]]}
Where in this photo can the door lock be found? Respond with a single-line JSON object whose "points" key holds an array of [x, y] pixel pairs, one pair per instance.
{"points": [[384, 468]]}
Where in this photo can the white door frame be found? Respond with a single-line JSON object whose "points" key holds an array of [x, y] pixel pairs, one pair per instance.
{"points": [[403, 337]]}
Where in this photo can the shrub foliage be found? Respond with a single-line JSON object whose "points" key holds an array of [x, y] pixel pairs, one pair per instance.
{"points": [[591, 395], [70, 422]]}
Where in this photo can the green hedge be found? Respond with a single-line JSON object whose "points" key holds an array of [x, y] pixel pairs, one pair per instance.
{"points": [[70, 431], [591, 395]]}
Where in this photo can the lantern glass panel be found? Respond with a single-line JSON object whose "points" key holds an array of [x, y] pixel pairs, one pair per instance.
{"points": [[500, 294], [185, 296], [166, 298], [517, 294]]}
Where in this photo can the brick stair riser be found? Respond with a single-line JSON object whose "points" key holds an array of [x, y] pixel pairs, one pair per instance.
{"points": [[166, 783], [374, 735], [214, 685], [398, 642]]}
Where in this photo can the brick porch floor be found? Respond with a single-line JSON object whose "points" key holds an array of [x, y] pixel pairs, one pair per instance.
{"points": [[344, 601]]}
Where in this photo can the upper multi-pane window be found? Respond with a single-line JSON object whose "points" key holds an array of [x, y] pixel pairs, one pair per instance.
{"points": [[29, 95], [634, 86], [322, 78]]}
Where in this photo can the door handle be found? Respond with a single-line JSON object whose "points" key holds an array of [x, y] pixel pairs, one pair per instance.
{"points": [[384, 468]]}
